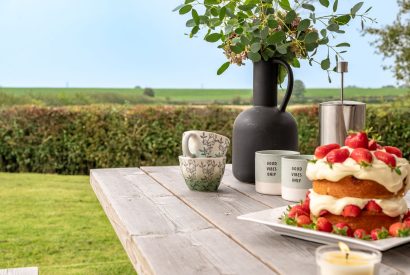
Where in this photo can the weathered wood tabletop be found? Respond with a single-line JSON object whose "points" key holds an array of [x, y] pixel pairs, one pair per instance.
{"points": [[167, 229]]}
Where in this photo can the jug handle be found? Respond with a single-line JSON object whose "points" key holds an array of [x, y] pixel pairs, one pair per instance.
{"points": [[289, 88]]}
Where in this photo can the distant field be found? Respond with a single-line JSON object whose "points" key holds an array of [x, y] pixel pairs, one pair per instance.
{"points": [[72, 96]]}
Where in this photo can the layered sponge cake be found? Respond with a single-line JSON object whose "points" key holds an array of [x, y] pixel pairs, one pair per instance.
{"points": [[360, 184]]}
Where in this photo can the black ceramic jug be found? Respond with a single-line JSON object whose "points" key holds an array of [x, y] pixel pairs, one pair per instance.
{"points": [[265, 126]]}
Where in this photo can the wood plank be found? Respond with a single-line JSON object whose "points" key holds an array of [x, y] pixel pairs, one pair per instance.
{"points": [[20, 271], [156, 228], [286, 255]]}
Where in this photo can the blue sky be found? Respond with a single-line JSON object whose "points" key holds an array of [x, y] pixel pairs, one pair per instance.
{"points": [[106, 43]]}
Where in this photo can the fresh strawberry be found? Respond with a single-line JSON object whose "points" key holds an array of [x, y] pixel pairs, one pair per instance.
{"points": [[393, 150], [322, 151], [357, 140], [379, 233], [322, 224], [297, 210], [361, 234], [323, 212], [373, 145], [407, 215], [406, 222], [373, 207], [399, 229], [337, 156], [386, 158], [303, 220], [362, 156], [351, 211], [305, 205], [343, 229]]}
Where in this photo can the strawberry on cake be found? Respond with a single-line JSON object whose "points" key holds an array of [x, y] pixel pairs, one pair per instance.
{"points": [[358, 187]]}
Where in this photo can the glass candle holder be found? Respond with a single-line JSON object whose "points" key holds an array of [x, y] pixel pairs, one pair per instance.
{"points": [[331, 260]]}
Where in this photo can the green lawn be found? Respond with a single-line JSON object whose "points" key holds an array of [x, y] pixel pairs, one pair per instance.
{"points": [[56, 223]]}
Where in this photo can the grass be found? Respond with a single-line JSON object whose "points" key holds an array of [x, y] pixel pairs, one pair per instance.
{"points": [[81, 96], [56, 223]]}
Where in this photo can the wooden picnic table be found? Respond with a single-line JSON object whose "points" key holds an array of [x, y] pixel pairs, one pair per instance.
{"points": [[167, 229]]}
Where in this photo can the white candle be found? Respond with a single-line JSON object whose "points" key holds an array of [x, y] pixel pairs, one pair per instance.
{"points": [[334, 261]]}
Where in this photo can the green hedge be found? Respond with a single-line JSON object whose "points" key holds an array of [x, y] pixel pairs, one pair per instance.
{"points": [[72, 140]]}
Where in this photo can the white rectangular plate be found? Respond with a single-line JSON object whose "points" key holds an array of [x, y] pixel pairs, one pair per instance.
{"points": [[271, 217]]}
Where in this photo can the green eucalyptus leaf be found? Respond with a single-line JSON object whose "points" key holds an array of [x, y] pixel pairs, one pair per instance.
{"points": [[311, 37], [323, 32], [303, 25], [343, 45], [255, 47], [246, 7], [284, 4], [185, 9], [223, 68], [333, 27], [272, 23], [313, 17], [211, 2], [255, 57], [335, 5], [290, 16], [213, 37], [222, 13], [195, 16], [308, 7], [325, 64], [177, 8], [194, 31], [276, 38], [343, 20], [239, 30], [323, 41], [189, 1], [238, 48], [245, 40], [356, 8], [282, 49], [265, 33], [295, 63], [214, 11], [311, 47], [324, 3], [190, 23]]}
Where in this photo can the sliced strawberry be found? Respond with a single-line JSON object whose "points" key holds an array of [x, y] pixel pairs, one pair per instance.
{"points": [[337, 156], [343, 229], [362, 156], [379, 233], [386, 158], [351, 211], [373, 207], [322, 224], [297, 210], [393, 150], [323, 212], [361, 234], [322, 151], [357, 140], [399, 229], [303, 220], [373, 145]]}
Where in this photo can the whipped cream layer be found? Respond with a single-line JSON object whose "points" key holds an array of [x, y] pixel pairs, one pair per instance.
{"points": [[379, 172], [391, 207]]}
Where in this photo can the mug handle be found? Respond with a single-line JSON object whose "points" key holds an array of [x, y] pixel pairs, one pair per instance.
{"points": [[185, 142]]}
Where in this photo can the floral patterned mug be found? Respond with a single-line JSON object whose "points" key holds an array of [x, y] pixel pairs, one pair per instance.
{"points": [[202, 174], [203, 144]]}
